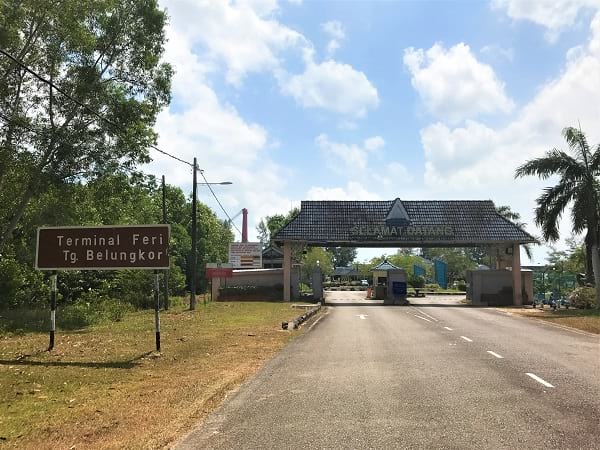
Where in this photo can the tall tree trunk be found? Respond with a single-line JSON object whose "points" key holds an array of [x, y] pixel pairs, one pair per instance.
{"points": [[596, 264], [589, 267]]}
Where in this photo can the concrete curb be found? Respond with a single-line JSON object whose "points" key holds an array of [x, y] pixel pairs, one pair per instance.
{"points": [[293, 324]]}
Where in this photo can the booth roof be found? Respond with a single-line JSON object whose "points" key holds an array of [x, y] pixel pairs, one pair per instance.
{"points": [[385, 265], [472, 223]]}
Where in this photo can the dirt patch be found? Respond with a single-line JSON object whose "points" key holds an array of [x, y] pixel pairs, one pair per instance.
{"points": [[585, 320]]}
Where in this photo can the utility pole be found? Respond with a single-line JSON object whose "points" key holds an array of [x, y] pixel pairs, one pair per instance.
{"points": [[164, 218], [193, 257]]}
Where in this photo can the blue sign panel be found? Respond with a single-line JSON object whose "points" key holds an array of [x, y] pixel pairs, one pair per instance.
{"points": [[399, 287], [440, 273], [418, 271]]}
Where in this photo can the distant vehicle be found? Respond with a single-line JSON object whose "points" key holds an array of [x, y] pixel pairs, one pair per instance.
{"points": [[364, 283]]}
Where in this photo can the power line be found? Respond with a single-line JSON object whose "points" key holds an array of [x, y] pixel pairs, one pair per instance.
{"points": [[217, 199], [83, 105]]}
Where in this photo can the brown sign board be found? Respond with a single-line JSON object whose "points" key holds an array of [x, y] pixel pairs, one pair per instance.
{"points": [[112, 247], [222, 272]]}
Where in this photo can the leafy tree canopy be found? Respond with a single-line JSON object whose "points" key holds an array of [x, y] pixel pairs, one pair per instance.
{"points": [[578, 188], [105, 54]]}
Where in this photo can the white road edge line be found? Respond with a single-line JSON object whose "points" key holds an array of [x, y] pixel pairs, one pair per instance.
{"points": [[425, 314], [449, 329], [495, 354], [539, 380], [314, 323], [423, 318], [467, 339]]}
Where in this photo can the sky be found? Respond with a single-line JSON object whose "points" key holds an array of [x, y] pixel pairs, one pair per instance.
{"points": [[296, 100]]}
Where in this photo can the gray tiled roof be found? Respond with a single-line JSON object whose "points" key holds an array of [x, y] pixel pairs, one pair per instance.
{"points": [[357, 223]]}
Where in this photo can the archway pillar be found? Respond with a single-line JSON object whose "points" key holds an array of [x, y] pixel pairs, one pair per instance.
{"points": [[516, 276], [287, 271]]}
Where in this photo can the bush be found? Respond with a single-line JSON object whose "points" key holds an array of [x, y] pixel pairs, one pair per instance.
{"points": [[91, 308], [20, 285], [461, 286], [433, 286], [416, 281], [583, 297]]}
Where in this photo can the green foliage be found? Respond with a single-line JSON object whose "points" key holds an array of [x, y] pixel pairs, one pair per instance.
{"points": [[309, 262], [270, 225], [458, 261], [578, 188], [583, 297], [416, 281], [104, 53], [342, 256], [20, 284]]}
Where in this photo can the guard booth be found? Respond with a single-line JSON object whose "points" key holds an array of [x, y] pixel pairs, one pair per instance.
{"points": [[389, 283], [408, 223]]}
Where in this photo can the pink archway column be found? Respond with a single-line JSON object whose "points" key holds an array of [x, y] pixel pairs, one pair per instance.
{"points": [[287, 271]]}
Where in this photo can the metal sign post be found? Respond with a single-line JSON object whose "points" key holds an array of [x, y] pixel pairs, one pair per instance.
{"points": [[54, 288], [157, 308]]}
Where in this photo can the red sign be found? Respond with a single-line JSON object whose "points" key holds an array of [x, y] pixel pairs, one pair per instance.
{"points": [[103, 247], [219, 273]]}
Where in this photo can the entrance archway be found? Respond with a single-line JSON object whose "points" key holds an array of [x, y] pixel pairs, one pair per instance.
{"points": [[397, 223]]}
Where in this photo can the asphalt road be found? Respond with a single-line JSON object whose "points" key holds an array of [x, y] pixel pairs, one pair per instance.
{"points": [[433, 375]]}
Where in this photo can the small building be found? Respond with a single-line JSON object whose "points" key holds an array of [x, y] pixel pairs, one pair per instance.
{"points": [[380, 272], [345, 274], [272, 257]]}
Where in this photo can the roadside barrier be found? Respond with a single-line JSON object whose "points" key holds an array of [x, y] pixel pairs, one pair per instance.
{"points": [[293, 324]]}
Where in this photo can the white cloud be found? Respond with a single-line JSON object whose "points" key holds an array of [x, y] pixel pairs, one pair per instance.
{"points": [[352, 191], [245, 35], [332, 86], [374, 143], [350, 160], [554, 15], [474, 160], [497, 52], [453, 84], [335, 30], [228, 147]]}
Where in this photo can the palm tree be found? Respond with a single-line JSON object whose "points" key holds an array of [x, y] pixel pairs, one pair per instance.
{"points": [[513, 216], [579, 186]]}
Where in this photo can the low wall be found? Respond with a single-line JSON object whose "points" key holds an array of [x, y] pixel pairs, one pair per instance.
{"points": [[261, 284], [255, 277]]}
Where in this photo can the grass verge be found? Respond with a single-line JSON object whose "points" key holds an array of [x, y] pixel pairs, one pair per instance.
{"points": [[581, 319], [103, 387]]}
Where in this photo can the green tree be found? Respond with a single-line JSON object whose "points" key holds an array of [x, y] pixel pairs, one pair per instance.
{"points": [[313, 257], [270, 225], [104, 53], [578, 186], [514, 217], [458, 261], [342, 256]]}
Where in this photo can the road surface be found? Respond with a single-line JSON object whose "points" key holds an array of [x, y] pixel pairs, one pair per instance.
{"points": [[431, 375]]}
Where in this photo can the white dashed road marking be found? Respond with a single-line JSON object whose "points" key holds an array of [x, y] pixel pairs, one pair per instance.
{"points": [[427, 315], [495, 354], [448, 328], [362, 316], [422, 318], [539, 380], [467, 339]]}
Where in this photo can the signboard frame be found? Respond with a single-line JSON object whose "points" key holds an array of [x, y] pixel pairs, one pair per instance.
{"points": [[256, 255], [75, 227]]}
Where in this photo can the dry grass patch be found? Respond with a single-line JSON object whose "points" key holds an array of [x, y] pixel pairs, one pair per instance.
{"points": [[581, 319], [102, 388]]}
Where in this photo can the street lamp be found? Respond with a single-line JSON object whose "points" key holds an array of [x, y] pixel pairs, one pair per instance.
{"points": [[194, 233]]}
